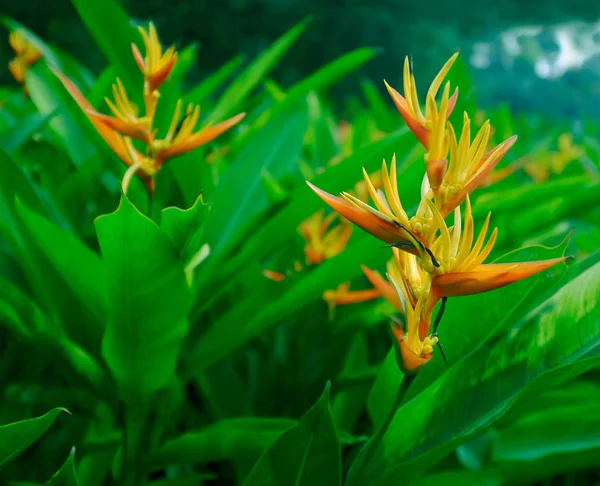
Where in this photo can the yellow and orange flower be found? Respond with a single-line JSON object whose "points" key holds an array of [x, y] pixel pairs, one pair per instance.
{"points": [[126, 124], [26, 55]]}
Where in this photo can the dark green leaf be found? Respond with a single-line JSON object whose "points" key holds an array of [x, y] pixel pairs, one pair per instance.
{"points": [[242, 438], [18, 436], [66, 475], [307, 454], [110, 27]]}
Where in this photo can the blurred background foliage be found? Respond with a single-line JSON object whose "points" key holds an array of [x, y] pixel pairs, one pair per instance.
{"points": [[533, 56]]}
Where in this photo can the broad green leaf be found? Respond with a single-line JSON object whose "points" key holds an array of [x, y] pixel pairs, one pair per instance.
{"points": [[110, 27], [81, 269], [199, 93], [185, 227], [307, 454], [462, 478], [250, 77], [66, 475], [18, 436], [232, 439], [543, 349], [148, 303]]}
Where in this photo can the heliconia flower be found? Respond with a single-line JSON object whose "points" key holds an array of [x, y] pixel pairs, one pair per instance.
{"points": [[157, 65], [23, 47], [126, 120], [409, 105], [117, 132], [26, 53], [469, 165], [389, 222], [461, 269], [322, 241], [181, 138], [342, 295]]}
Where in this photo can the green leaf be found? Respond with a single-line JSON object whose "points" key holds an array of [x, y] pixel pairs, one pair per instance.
{"points": [[18, 436], [66, 475], [15, 136], [51, 99], [544, 349], [81, 269], [199, 93], [185, 227], [307, 454], [149, 300], [109, 25], [233, 439], [248, 79], [239, 195]]}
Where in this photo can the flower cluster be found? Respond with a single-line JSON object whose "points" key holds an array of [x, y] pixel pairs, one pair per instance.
{"points": [[26, 55], [126, 124], [432, 260]]}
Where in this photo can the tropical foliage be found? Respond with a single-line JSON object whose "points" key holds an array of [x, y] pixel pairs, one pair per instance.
{"points": [[177, 306]]}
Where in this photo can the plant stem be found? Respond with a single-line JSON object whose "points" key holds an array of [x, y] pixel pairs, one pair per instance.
{"points": [[133, 438], [366, 454]]}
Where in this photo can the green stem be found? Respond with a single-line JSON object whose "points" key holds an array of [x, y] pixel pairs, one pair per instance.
{"points": [[357, 470], [133, 444]]}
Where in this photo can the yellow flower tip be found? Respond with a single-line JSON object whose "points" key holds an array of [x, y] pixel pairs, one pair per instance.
{"points": [[486, 277], [275, 276], [409, 360], [139, 59]]}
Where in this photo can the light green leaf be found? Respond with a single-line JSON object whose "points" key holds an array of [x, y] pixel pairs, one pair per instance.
{"points": [[81, 269], [199, 93], [149, 300], [185, 227]]}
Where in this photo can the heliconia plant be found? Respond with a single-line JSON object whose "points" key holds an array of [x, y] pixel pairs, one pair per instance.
{"points": [[177, 306]]}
